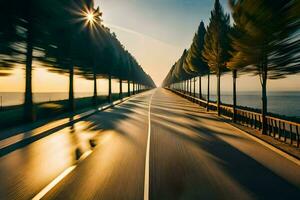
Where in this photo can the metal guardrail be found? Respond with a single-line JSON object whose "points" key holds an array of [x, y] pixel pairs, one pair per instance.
{"points": [[283, 130]]}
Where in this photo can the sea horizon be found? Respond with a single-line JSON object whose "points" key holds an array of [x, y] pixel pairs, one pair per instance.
{"points": [[251, 99]]}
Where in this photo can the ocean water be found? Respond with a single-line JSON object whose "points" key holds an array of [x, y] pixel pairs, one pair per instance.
{"points": [[284, 103], [17, 98]]}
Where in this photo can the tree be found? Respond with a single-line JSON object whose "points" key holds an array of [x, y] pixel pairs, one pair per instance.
{"points": [[7, 37], [236, 62], [25, 21], [266, 41], [96, 35], [181, 71], [216, 45], [194, 58], [69, 38]]}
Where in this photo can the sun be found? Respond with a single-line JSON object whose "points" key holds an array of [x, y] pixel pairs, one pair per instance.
{"points": [[90, 17]]}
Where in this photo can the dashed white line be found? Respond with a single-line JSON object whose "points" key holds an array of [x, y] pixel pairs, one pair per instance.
{"points": [[147, 171], [51, 185]]}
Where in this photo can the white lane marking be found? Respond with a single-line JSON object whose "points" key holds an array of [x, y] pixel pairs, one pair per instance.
{"points": [[147, 171], [85, 155], [271, 147], [51, 185]]}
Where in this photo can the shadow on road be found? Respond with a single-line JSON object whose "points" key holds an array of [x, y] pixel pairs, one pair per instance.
{"points": [[179, 118]]}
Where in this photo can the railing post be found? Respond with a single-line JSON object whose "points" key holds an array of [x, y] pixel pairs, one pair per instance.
{"points": [[279, 130], [291, 134], [272, 128], [284, 132], [298, 137], [275, 128], [259, 122], [248, 119], [269, 131]]}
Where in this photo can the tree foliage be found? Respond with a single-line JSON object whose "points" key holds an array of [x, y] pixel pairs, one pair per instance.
{"points": [[195, 61], [266, 37], [217, 43]]}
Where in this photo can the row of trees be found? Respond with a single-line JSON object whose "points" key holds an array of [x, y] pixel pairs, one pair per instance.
{"points": [[65, 36], [264, 40]]}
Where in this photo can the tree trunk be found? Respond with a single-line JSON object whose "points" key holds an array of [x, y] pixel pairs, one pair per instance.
{"points": [[29, 114], [121, 90], [133, 87], [194, 87], [264, 100], [234, 75], [186, 87], [190, 93], [181, 86], [109, 89], [208, 88], [128, 87], [71, 88], [95, 96], [200, 88], [218, 92]]}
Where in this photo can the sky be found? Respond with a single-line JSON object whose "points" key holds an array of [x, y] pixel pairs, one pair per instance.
{"points": [[156, 32]]}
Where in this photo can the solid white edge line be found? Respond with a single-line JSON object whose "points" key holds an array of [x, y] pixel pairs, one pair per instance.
{"points": [[51, 185], [147, 162]]}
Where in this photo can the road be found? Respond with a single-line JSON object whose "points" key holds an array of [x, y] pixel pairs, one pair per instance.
{"points": [[156, 145]]}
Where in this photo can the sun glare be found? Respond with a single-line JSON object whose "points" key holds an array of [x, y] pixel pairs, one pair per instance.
{"points": [[90, 17]]}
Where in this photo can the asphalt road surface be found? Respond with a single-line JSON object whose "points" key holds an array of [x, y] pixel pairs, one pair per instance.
{"points": [[156, 145]]}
